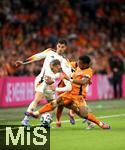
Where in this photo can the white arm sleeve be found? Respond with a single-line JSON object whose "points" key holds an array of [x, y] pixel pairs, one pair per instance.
{"points": [[66, 67], [67, 87], [37, 56]]}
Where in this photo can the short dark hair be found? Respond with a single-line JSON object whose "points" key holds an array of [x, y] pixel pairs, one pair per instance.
{"points": [[55, 62], [63, 41], [85, 59]]}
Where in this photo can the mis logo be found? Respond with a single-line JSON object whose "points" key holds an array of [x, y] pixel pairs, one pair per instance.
{"points": [[31, 137]]}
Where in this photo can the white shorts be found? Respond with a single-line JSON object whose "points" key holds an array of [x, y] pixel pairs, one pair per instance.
{"points": [[49, 95], [44, 88], [40, 86]]}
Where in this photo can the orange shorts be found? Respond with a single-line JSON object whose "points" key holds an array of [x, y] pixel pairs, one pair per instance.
{"points": [[76, 100]]}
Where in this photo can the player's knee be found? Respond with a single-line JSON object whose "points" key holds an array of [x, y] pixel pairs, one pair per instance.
{"points": [[38, 97], [84, 112]]}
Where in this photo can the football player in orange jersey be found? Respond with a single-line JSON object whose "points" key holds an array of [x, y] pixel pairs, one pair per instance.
{"points": [[75, 99], [71, 113]]}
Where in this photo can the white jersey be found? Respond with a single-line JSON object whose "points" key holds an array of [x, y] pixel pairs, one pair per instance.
{"points": [[50, 55]]}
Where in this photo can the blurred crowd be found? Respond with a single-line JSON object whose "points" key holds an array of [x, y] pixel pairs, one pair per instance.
{"points": [[93, 27]]}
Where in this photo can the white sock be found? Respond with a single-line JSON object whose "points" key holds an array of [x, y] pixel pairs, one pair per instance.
{"points": [[31, 107], [36, 113], [26, 118], [100, 124]]}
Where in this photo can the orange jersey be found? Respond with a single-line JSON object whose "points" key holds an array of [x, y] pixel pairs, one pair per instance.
{"points": [[70, 99], [79, 75]]}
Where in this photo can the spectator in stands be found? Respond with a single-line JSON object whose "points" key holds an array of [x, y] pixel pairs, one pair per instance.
{"points": [[27, 27], [117, 68]]}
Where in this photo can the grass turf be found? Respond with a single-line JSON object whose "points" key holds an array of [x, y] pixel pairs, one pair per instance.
{"points": [[76, 137]]}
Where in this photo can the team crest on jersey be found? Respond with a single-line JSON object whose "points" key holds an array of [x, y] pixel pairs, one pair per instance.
{"points": [[52, 57]]}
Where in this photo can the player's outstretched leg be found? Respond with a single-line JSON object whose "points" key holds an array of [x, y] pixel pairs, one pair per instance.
{"points": [[46, 108], [101, 124], [32, 106], [83, 113]]}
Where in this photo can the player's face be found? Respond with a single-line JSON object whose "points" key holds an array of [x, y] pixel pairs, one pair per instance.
{"points": [[82, 65], [61, 48], [56, 68]]}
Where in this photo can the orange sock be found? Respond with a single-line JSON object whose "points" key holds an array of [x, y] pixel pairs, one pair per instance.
{"points": [[46, 108], [59, 113], [92, 118]]}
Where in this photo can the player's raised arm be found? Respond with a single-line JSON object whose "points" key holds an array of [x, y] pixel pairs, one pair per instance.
{"points": [[83, 81], [33, 58]]}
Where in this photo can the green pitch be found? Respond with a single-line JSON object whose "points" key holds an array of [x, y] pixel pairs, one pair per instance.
{"points": [[76, 137]]}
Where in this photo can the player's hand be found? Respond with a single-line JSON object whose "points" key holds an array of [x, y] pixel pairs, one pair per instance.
{"points": [[18, 63], [49, 80], [64, 76]]}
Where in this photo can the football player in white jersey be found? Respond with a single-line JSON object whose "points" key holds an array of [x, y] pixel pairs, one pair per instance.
{"points": [[48, 55]]}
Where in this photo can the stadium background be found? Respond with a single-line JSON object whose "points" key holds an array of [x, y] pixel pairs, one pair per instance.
{"points": [[93, 27]]}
